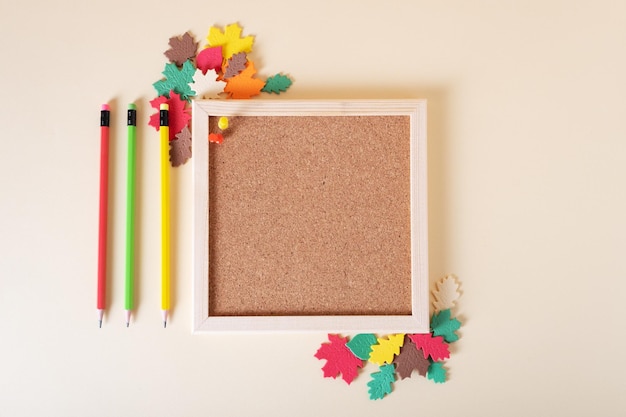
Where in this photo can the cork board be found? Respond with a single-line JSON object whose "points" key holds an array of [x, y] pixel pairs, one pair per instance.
{"points": [[310, 216]]}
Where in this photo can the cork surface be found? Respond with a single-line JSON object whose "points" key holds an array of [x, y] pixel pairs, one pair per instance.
{"points": [[310, 215]]}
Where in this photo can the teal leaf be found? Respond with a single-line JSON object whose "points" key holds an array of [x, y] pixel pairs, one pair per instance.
{"points": [[436, 373], [442, 324], [277, 84], [361, 345], [380, 385], [177, 80]]}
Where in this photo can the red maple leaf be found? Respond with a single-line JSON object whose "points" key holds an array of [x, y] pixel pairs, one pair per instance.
{"points": [[339, 359], [435, 347], [178, 114]]}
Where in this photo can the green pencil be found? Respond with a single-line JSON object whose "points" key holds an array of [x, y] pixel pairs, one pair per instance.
{"points": [[130, 212]]}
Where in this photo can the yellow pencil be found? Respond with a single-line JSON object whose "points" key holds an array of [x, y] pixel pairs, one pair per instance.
{"points": [[164, 132]]}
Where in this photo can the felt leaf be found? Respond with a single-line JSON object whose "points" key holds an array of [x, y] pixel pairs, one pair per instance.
{"points": [[361, 345], [381, 382], [409, 359], [442, 325], [178, 113], [339, 359], [235, 65], [207, 86], [446, 293], [216, 137], [384, 351], [230, 40], [244, 85], [435, 347], [210, 59], [437, 373], [176, 80], [277, 84], [181, 49], [180, 148]]}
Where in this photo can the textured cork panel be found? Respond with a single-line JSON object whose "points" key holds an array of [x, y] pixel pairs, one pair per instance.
{"points": [[310, 215]]}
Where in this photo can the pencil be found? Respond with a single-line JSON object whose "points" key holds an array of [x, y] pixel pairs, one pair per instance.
{"points": [[164, 132], [130, 212], [104, 196]]}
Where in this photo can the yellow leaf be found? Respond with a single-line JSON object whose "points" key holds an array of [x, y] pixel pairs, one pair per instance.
{"points": [[384, 351], [230, 40]]}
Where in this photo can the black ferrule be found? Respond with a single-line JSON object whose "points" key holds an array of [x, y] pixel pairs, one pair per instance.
{"points": [[132, 118], [163, 118], [104, 117]]}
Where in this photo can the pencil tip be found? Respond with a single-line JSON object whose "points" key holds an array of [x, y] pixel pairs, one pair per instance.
{"points": [[126, 324], [100, 323]]}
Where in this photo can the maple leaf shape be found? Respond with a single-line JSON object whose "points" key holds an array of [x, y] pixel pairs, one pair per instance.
{"points": [[361, 345], [380, 385], [437, 373], [339, 359], [180, 148], [176, 80], [384, 351], [410, 358], [210, 59], [235, 65], [178, 113], [446, 293], [435, 347], [207, 86], [230, 40], [243, 85], [276, 84], [442, 325], [181, 49]]}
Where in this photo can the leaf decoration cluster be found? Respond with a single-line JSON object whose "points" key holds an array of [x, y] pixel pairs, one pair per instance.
{"points": [[397, 356], [222, 68]]}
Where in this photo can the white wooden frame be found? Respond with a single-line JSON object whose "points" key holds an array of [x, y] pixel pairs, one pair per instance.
{"points": [[417, 322]]}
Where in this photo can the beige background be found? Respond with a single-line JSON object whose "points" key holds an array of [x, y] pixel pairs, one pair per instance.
{"points": [[527, 165]]}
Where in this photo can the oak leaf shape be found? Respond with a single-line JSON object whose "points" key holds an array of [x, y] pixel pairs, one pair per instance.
{"points": [[180, 148]]}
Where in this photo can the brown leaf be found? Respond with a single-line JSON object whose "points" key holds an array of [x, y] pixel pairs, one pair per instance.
{"points": [[236, 64], [181, 49], [409, 359], [180, 148]]}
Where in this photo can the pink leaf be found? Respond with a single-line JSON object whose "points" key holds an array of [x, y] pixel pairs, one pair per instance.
{"points": [[178, 114], [210, 59], [435, 347], [339, 359]]}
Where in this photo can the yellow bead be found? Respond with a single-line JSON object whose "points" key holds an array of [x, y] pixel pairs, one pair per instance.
{"points": [[223, 123]]}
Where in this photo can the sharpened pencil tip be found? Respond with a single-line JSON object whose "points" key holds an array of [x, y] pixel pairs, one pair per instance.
{"points": [[164, 324], [100, 323], [126, 324]]}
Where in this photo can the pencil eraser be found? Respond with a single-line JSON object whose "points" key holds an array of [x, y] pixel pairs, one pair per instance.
{"points": [[164, 106], [132, 106], [106, 107]]}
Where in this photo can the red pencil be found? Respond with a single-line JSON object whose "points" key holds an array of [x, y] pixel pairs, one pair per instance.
{"points": [[104, 198]]}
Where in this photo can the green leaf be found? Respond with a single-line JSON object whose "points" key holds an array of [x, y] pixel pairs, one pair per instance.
{"points": [[177, 80], [437, 373], [277, 84], [442, 325], [361, 345], [380, 385]]}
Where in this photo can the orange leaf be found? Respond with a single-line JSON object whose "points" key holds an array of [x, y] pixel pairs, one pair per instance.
{"points": [[244, 85]]}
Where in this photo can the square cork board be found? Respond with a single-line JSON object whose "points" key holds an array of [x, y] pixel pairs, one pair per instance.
{"points": [[310, 216]]}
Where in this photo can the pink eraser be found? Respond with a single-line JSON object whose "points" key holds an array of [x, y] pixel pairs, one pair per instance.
{"points": [[105, 107]]}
